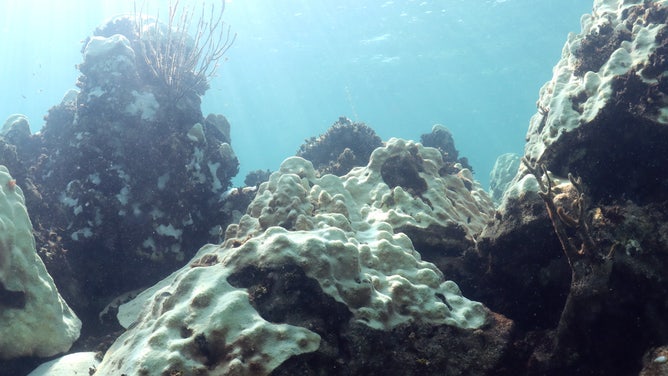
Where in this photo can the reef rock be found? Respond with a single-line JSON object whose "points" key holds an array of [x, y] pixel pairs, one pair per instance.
{"points": [[345, 145], [34, 318], [316, 276], [603, 115], [441, 138], [131, 176], [594, 269]]}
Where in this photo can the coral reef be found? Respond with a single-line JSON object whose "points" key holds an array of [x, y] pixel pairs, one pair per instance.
{"points": [[590, 265], [345, 145], [127, 178], [441, 139], [319, 272], [612, 118], [34, 318], [357, 256], [255, 178], [593, 264]]}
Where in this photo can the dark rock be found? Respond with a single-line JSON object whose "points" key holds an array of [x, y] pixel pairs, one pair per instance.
{"points": [[345, 145], [441, 139]]}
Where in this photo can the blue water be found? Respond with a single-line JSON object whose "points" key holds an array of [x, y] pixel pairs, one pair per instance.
{"points": [[297, 65]]}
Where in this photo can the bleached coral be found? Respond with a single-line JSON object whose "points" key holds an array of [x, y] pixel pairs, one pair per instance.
{"points": [[34, 319], [576, 95], [342, 232]]}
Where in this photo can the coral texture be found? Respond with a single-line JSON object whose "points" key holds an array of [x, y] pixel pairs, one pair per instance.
{"points": [[321, 259], [34, 318]]}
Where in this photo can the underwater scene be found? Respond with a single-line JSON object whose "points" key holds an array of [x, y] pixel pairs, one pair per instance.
{"points": [[246, 187]]}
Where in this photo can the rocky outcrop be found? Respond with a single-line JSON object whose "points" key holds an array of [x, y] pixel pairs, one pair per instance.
{"points": [[127, 178], [581, 225]]}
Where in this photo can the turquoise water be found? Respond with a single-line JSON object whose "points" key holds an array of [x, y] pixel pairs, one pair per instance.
{"points": [[297, 65]]}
